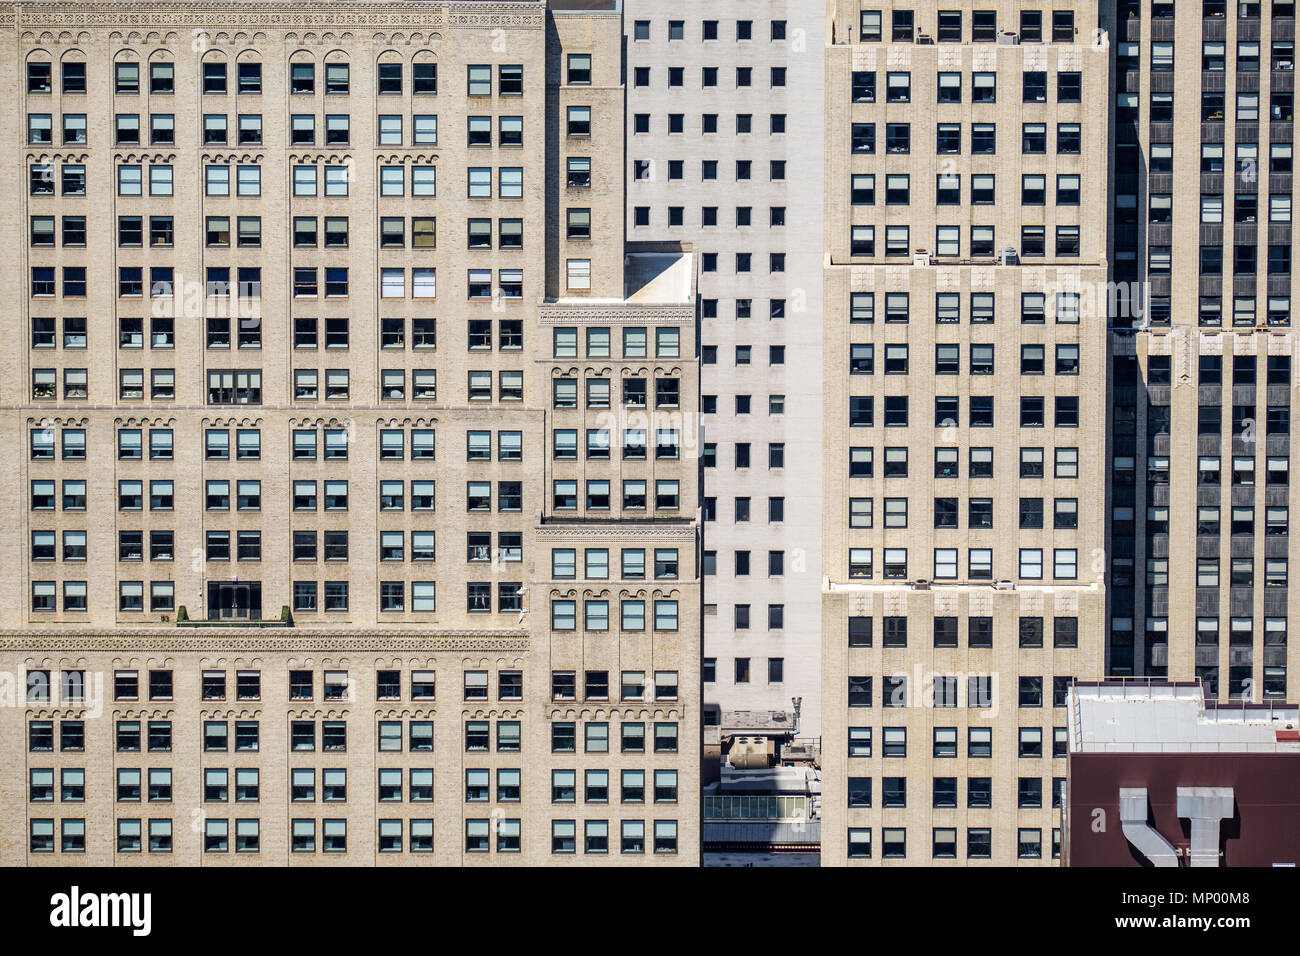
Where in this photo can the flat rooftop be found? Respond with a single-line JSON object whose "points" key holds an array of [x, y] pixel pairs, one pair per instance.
{"points": [[791, 781], [655, 275], [659, 276], [759, 720], [1168, 717]]}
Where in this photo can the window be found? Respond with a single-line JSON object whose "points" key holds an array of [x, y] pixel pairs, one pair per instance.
{"points": [[578, 121], [578, 274], [578, 172], [898, 87], [579, 69], [1033, 190], [863, 87], [949, 89]]}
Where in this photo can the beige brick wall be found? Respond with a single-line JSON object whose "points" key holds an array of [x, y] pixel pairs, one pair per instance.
{"points": [[1005, 596], [364, 638]]}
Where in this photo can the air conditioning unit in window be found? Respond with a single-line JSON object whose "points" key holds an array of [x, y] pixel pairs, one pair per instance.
{"points": [[1008, 256]]}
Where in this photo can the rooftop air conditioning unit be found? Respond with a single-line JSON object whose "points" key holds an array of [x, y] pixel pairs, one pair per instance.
{"points": [[1007, 38], [924, 39], [921, 257], [1008, 256]]}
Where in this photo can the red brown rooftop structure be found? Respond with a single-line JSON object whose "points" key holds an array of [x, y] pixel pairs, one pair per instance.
{"points": [[1159, 776]]}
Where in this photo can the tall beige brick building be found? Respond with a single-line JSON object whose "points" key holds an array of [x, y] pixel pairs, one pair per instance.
{"points": [[964, 445], [362, 478], [351, 508]]}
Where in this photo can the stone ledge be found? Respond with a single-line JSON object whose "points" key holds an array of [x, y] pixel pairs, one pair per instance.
{"points": [[269, 640]]}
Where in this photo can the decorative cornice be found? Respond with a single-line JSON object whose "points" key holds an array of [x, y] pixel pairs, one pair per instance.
{"points": [[233, 712], [262, 641], [337, 157], [624, 591], [494, 713], [614, 314], [214, 156], [319, 712], [63, 156], [411, 711], [685, 531], [144, 421], [281, 14], [593, 710], [407, 158]]}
